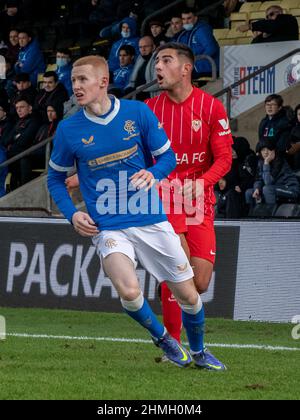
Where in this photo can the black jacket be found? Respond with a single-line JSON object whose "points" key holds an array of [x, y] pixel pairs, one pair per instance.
{"points": [[277, 129], [283, 28], [21, 136]]}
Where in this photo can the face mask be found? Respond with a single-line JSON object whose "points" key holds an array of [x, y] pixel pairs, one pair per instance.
{"points": [[125, 34], [61, 62], [188, 26]]}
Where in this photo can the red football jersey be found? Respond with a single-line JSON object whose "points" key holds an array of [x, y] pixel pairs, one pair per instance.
{"points": [[199, 131]]}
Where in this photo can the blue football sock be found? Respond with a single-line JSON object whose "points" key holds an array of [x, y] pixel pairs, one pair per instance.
{"points": [[146, 317], [194, 326]]}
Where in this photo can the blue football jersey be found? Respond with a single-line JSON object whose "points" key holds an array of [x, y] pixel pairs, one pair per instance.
{"points": [[107, 151]]}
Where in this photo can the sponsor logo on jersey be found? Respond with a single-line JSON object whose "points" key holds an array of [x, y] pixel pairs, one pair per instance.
{"points": [[160, 125], [112, 157], [89, 141], [224, 124], [182, 267], [196, 125]]}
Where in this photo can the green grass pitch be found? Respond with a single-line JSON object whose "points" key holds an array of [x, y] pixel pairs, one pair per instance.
{"points": [[60, 368]]}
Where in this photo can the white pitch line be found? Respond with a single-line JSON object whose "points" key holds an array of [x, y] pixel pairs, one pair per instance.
{"points": [[140, 340]]}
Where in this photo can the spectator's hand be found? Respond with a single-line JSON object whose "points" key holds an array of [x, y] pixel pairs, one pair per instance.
{"points": [[237, 189], [72, 182], [142, 179], [243, 28], [256, 193], [84, 224], [295, 147], [270, 157]]}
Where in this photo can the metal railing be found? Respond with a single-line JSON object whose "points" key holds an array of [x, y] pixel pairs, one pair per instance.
{"points": [[228, 89]]}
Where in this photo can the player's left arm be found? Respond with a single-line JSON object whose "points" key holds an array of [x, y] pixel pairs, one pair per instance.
{"points": [[157, 143], [220, 143]]}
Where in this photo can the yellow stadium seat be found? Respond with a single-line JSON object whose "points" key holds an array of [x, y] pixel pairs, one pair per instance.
{"points": [[51, 67], [266, 4], [221, 33], [290, 4], [248, 7], [257, 15], [238, 16], [295, 12]]}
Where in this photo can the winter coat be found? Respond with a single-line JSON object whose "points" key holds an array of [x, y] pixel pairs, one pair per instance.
{"points": [[32, 60], [276, 129], [277, 173], [283, 28], [113, 59], [202, 41]]}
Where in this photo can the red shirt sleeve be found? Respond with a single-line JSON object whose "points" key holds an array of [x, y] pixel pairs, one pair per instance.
{"points": [[220, 144]]}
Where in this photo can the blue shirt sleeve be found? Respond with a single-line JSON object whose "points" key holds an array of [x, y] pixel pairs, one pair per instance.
{"points": [[156, 141], [61, 161]]}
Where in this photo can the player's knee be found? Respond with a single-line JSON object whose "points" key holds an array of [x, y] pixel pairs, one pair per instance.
{"points": [[133, 304], [130, 294], [193, 306], [191, 299]]}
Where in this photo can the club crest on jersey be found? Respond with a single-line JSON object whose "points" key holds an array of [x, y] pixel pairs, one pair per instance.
{"points": [[129, 126], [89, 141], [110, 243], [196, 125]]}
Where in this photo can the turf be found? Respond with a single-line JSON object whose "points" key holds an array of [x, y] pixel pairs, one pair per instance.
{"points": [[41, 368]]}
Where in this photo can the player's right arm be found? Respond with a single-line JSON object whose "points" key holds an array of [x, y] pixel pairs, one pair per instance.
{"points": [[61, 162]]}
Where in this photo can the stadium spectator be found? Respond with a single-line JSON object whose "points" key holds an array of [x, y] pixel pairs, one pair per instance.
{"points": [[36, 159], [198, 128], [12, 46], [293, 152], [275, 125], [5, 126], [71, 107], [53, 91], [30, 58], [64, 68], [10, 17], [122, 74], [24, 89], [175, 28], [143, 70], [275, 28], [133, 10], [157, 31], [126, 236], [275, 181], [231, 188], [3, 171], [128, 34], [20, 138], [198, 35]]}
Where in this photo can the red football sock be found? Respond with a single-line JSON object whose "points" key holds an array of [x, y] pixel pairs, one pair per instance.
{"points": [[171, 312]]}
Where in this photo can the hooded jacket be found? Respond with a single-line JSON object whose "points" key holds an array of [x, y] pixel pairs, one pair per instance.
{"points": [[32, 60], [113, 59], [277, 129], [202, 41]]}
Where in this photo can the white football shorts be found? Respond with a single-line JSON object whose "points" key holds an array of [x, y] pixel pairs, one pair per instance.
{"points": [[157, 247]]}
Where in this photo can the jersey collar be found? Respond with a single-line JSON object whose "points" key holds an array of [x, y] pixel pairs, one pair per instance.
{"points": [[106, 120]]}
